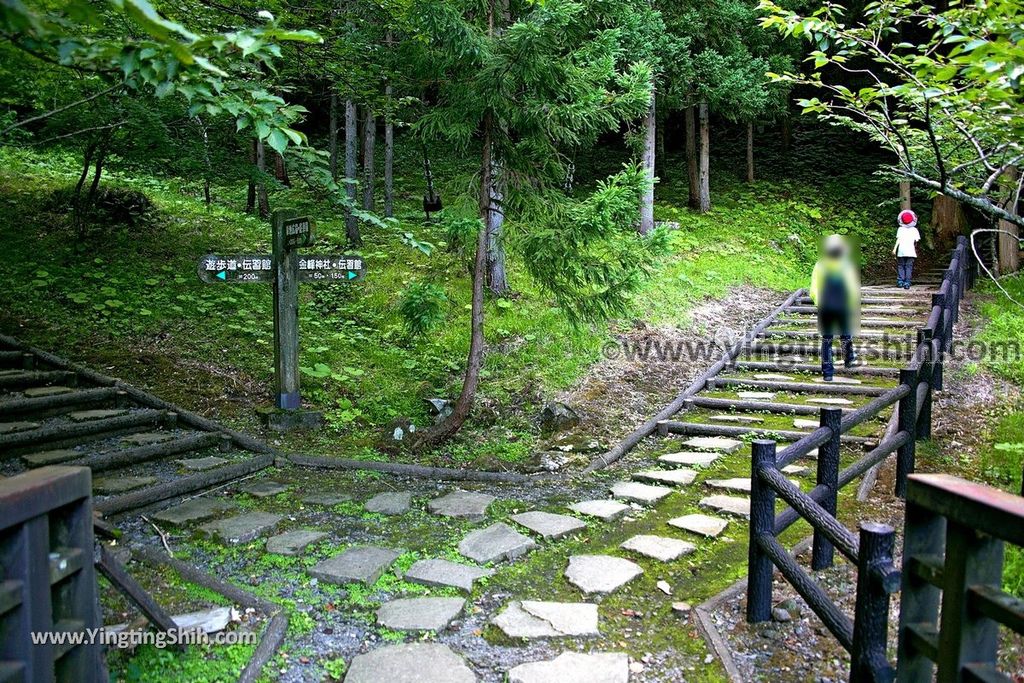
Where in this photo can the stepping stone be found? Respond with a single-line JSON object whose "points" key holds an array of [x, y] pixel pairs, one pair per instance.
{"points": [[419, 614], [362, 564], [693, 458], [801, 423], [705, 525], [265, 488], [496, 543], [644, 494], [831, 401], [574, 667], [839, 380], [771, 377], [797, 470], [293, 542], [461, 504], [533, 619], [116, 484], [443, 573], [39, 392], [201, 464], [327, 499], [410, 663], [392, 503], [50, 457], [756, 395], [12, 427], [195, 510], [680, 477], [714, 443], [600, 573], [606, 510], [549, 525], [242, 528], [659, 547], [146, 438], [99, 414], [730, 505], [741, 419], [737, 484]]}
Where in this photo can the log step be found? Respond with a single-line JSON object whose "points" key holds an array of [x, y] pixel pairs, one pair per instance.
{"points": [[782, 366], [49, 404], [21, 380], [755, 406], [100, 462], [58, 435], [797, 387], [667, 427]]}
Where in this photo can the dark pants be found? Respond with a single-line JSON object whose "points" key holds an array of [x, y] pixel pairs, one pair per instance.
{"points": [[828, 367], [832, 322], [904, 268]]}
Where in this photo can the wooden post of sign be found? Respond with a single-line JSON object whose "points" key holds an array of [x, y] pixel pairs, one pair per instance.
{"points": [[286, 316]]}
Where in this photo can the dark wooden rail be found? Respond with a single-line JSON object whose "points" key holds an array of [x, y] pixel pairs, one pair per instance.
{"points": [[871, 550]]}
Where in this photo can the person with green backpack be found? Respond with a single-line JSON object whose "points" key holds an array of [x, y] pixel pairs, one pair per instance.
{"points": [[835, 290]]}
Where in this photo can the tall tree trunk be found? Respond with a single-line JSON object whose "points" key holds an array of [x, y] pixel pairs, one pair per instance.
{"points": [[351, 152], [1009, 244], [77, 219], [750, 152], [332, 135], [389, 158], [497, 277], [904, 195], [474, 363], [261, 187], [369, 143], [281, 170], [691, 156], [948, 219], [659, 147], [704, 169], [650, 139], [250, 199]]}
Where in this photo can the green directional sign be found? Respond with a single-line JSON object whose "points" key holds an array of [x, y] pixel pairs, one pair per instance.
{"points": [[329, 267], [298, 232], [217, 268]]}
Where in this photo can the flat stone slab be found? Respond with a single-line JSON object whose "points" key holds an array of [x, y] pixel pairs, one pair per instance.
{"points": [[532, 619], [839, 380], [410, 663], [549, 525], [146, 438], [419, 614], [391, 503], [201, 464], [644, 494], [691, 458], [756, 395], [772, 377], [362, 564], [739, 419], [293, 542], [606, 510], [797, 470], [705, 525], [575, 667], [327, 499], [12, 427], [496, 543], [195, 510], [831, 401], [50, 457], [39, 392], [721, 444], [461, 504], [679, 477], [741, 484], [729, 505], [116, 484], [265, 488], [658, 547], [600, 573], [242, 528], [97, 414], [801, 423], [443, 573]]}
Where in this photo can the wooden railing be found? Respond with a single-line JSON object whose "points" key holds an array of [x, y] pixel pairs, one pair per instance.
{"points": [[864, 636]]}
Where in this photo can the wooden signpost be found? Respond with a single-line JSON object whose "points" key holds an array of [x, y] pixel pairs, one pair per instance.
{"points": [[285, 268]]}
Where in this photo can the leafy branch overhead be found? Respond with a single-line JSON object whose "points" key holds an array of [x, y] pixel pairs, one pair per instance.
{"points": [[216, 73], [941, 90]]}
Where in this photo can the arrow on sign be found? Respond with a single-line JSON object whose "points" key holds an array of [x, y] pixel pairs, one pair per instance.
{"points": [[223, 275]]}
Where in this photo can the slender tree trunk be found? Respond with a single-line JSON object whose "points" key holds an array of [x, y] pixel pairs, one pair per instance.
{"points": [[77, 219], [904, 195], [261, 187], [704, 169], [389, 157], [207, 163], [351, 152], [691, 157], [650, 139], [333, 135], [250, 200], [1009, 244], [369, 143], [497, 277], [750, 152], [97, 174], [659, 148], [281, 170]]}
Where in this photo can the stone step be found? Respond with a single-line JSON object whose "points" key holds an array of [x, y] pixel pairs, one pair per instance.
{"points": [[293, 542], [704, 525], [600, 573], [195, 510], [444, 573], [361, 564], [659, 548], [645, 494], [730, 505], [389, 503], [574, 667], [531, 619], [714, 443], [496, 543], [739, 419], [548, 525], [678, 477], [741, 484], [691, 458], [265, 488], [410, 663], [605, 510], [462, 504], [419, 614], [242, 528], [120, 484]]}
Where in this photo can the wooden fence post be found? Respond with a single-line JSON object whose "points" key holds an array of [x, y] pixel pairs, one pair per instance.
{"points": [[907, 417], [877, 578], [762, 522], [822, 552], [924, 536], [940, 301], [927, 368]]}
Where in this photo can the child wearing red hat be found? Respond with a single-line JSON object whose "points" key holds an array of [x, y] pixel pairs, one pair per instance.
{"points": [[905, 248]]}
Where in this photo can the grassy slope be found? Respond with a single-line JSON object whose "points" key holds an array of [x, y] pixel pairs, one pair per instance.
{"points": [[129, 301]]}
